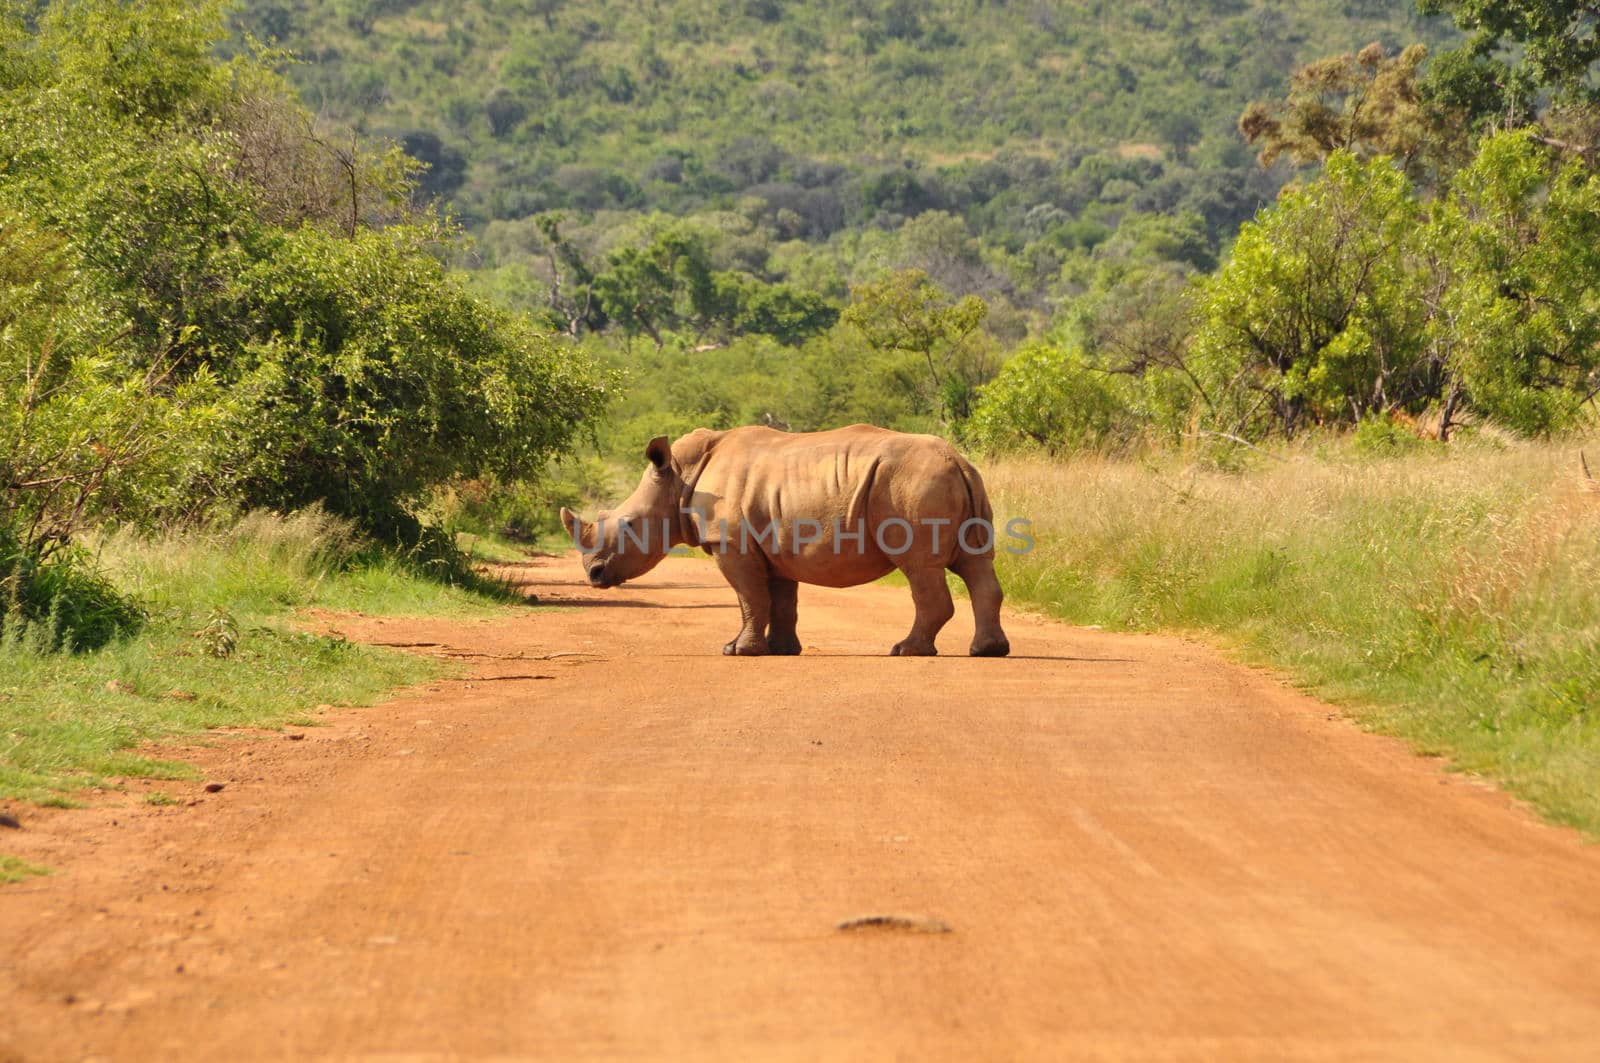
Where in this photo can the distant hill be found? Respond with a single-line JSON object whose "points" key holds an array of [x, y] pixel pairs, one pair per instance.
{"points": [[835, 115]]}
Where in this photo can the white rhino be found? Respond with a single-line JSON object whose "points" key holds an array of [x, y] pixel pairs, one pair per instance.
{"points": [[840, 508]]}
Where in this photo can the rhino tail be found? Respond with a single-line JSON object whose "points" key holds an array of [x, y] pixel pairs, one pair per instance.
{"points": [[977, 495]]}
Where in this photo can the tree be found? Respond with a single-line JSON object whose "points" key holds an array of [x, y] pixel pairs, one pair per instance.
{"points": [[907, 313], [1365, 102], [786, 313], [505, 113], [573, 305], [1319, 316], [1556, 42], [203, 300], [444, 167], [376, 377], [665, 285], [1048, 397], [1140, 325], [1521, 234]]}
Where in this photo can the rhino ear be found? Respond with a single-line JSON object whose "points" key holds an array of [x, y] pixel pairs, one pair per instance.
{"points": [[660, 454]]}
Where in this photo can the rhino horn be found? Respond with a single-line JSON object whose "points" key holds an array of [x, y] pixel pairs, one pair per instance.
{"points": [[578, 529]]}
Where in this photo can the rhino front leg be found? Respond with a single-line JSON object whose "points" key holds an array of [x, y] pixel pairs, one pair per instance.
{"points": [[931, 595], [781, 637], [748, 576]]}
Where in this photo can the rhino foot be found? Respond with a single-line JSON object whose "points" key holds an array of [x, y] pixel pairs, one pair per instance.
{"points": [[909, 648], [748, 649], [779, 646], [990, 648]]}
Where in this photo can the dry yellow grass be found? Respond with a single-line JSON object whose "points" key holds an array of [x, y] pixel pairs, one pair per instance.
{"points": [[1451, 597]]}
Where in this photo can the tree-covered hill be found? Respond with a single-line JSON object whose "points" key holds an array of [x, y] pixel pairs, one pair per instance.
{"points": [[823, 212], [1041, 126]]}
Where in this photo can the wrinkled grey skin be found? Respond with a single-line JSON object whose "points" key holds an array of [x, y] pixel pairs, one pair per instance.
{"points": [[706, 487]]}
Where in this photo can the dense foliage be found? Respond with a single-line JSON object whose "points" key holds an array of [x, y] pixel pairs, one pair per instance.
{"points": [[803, 137], [815, 213], [208, 297], [1354, 298], [1440, 269]]}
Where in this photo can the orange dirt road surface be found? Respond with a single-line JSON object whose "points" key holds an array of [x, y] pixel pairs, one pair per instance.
{"points": [[611, 842]]}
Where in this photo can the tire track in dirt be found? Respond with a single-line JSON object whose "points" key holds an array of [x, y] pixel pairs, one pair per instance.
{"points": [[1135, 849]]}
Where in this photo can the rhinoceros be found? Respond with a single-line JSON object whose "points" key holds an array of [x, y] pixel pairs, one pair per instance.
{"points": [[836, 509]]}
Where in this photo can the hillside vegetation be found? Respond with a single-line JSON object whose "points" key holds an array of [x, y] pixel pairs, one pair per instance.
{"points": [[1017, 224], [803, 135]]}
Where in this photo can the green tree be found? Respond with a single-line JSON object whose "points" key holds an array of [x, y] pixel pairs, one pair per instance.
{"points": [[662, 286], [1551, 44], [378, 377], [1320, 314], [1521, 311], [788, 314], [1048, 397], [907, 314], [206, 299]]}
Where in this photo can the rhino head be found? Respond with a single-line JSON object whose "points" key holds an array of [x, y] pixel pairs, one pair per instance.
{"points": [[630, 540]]}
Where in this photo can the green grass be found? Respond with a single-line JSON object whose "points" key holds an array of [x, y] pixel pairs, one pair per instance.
{"points": [[491, 549], [265, 564], [14, 869], [1449, 597], [68, 722]]}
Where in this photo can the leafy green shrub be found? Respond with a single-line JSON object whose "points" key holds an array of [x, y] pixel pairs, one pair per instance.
{"points": [[378, 377], [1351, 298], [1048, 398], [204, 302], [1384, 436], [1319, 316]]}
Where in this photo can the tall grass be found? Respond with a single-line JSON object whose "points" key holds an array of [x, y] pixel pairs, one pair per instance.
{"points": [[1446, 596], [54, 600], [267, 562], [260, 563]]}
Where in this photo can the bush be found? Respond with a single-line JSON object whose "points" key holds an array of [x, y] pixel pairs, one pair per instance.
{"points": [[1320, 315], [1048, 398], [1521, 230], [1385, 436], [379, 377], [201, 302]]}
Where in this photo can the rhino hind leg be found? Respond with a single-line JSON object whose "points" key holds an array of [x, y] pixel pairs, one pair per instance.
{"points": [[983, 587], [781, 637], [749, 579], [931, 595]]}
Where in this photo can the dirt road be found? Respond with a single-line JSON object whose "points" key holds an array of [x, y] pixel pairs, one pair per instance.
{"points": [[634, 848]]}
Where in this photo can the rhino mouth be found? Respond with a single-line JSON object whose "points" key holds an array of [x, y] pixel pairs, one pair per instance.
{"points": [[599, 578]]}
